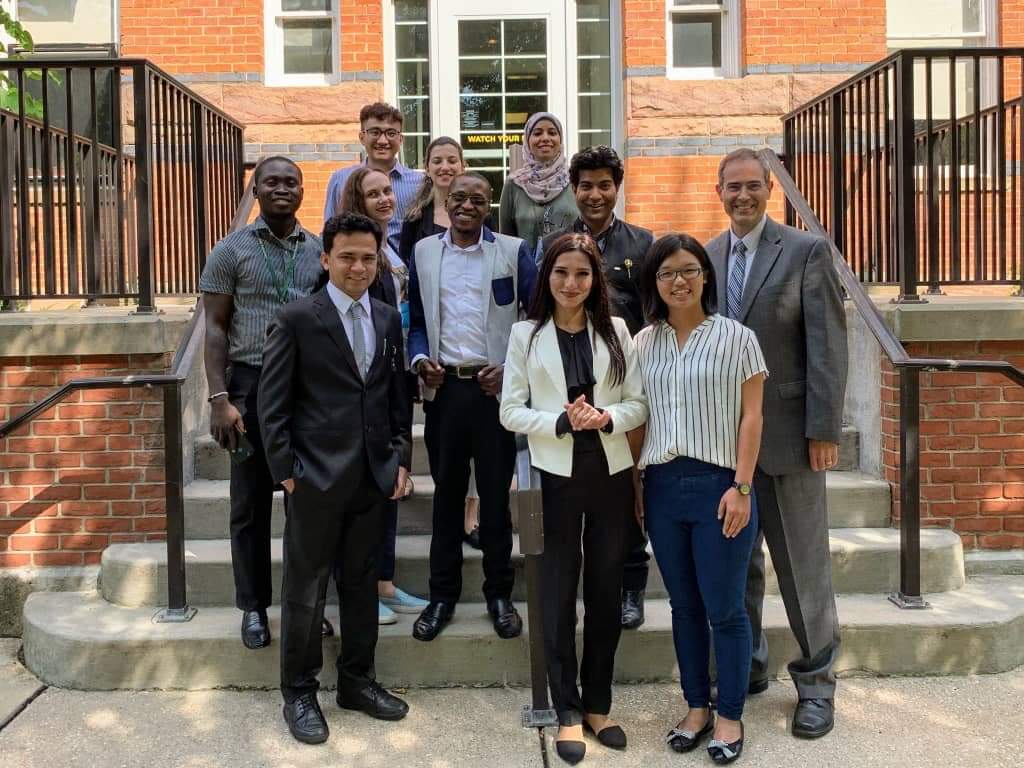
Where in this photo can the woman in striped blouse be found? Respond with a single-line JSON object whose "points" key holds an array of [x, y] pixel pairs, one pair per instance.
{"points": [[703, 375]]}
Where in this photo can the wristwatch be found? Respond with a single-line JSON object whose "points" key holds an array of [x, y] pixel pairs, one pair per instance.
{"points": [[743, 488]]}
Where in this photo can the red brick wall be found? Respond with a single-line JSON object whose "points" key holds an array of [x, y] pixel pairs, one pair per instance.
{"points": [[972, 445], [816, 32], [84, 474]]}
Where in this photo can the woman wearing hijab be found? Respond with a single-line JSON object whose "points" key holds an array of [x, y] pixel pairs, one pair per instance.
{"points": [[538, 200]]}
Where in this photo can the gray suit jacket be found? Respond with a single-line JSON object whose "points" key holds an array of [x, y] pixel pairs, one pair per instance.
{"points": [[793, 303]]}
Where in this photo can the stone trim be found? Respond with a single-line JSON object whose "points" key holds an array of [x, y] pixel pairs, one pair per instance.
{"points": [[257, 77], [645, 71], [340, 153], [94, 331], [698, 145], [765, 69]]}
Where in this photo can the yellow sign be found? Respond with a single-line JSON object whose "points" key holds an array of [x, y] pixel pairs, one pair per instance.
{"points": [[485, 140]]}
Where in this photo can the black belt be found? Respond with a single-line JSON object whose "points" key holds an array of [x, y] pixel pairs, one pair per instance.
{"points": [[463, 371]]}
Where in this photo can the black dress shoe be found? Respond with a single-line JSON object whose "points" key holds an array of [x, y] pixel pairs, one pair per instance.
{"points": [[374, 701], [632, 608], [686, 741], [326, 630], [571, 751], [611, 736], [432, 620], [723, 752], [255, 629], [473, 537], [305, 720], [507, 623], [813, 718]]}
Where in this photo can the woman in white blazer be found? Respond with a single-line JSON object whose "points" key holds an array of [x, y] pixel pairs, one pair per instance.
{"points": [[573, 386]]}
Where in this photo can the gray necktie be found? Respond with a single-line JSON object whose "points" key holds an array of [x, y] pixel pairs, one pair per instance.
{"points": [[356, 312], [734, 288]]}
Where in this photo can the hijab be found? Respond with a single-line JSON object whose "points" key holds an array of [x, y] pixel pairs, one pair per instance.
{"points": [[542, 182]]}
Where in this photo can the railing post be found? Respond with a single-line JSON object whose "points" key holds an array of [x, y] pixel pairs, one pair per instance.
{"points": [[909, 594], [174, 480], [788, 148], [836, 158], [143, 189], [906, 203], [199, 181]]}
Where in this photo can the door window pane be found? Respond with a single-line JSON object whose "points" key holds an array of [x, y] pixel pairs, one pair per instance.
{"points": [[519, 108], [526, 75], [480, 38], [416, 114], [410, 10], [480, 113], [480, 76], [593, 139], [592, 9], [307, 46], [593, 38], [413, 78], [528, 36], [697, 40], [595, 112], [595, 75], [305, 5], [411, 41]]}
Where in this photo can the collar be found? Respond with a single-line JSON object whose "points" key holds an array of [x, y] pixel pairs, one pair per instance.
{"points": [[751, 239], [401, 170], [446, 239], [262, 228], [343, 301], [581, 226]]}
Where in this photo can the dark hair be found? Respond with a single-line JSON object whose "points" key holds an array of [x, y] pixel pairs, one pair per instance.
{"points": [[596, 304], [347, 223], [654, 308], [426, 191], [744, 153], [474, 175], [352, 199], [380, 111], [261, 165], [594, 159]]}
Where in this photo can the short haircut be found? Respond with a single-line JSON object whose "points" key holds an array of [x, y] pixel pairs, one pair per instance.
{"points": [[346, 224], [744, 153], [262, 164], [654, 308], [474, 175], [594, 159], [380, 110]]}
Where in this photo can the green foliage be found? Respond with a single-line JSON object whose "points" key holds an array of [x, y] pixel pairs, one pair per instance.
{"points": [[9, 97]]}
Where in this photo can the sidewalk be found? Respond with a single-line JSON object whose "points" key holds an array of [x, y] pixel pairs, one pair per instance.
{"points": [[919, 722]]}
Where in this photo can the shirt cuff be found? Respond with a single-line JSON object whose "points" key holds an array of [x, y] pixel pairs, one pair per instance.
{"points": [[607, 428], [415, 362], [562, 426]]}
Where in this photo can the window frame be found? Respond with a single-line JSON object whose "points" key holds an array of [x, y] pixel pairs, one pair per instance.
{"points": [[274, 17], [732, 20]]}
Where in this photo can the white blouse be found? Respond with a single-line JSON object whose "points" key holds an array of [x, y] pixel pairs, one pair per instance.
{"points": [[695, 393]]}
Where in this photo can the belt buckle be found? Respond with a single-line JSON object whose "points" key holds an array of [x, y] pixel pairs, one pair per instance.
{"points": [[459, 372]]}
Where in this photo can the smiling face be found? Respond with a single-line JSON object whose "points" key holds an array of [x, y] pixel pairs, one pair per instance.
{"points": [[545, 142], [379, 198], [279, 189], [468, 203], [571, 280], [595, 197], [681, 281], [744, 192], [352, 262], [382, 139], [443, 165]]}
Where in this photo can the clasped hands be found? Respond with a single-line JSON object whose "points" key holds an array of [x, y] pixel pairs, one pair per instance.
{"points": [[582, 415]]}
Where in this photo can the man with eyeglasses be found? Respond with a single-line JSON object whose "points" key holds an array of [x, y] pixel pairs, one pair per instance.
{"points": [[381, 136], [466, 287]]}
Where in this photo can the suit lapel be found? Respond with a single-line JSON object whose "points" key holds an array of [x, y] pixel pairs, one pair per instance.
{"points": [[328, 315], [379, 318], [550, 356], [767, 254], [718, 252], [489, 253], [601, 359]]}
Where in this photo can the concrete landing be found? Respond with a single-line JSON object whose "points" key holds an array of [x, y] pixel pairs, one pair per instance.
{"points": [[78, 640]]}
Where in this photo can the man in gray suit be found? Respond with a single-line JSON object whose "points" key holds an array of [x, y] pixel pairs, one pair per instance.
{"points": [[780, 282]]}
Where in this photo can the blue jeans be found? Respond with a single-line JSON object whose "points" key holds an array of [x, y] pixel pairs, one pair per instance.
{"points": [[706, 577]]}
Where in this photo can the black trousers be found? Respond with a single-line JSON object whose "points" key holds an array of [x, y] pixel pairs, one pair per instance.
{"points": [[323, 533], [252, 495], [597, 508], [634, 575], [462, 424], [389, 531]]}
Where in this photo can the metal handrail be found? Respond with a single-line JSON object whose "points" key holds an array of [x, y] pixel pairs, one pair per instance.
{"points": [[909, 368], [171, 383]]}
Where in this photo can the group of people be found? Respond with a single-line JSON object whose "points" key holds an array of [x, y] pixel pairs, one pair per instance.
{"points": [[639, 376]]}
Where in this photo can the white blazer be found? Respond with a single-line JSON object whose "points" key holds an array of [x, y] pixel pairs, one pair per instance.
{"points": [[534, 396]]}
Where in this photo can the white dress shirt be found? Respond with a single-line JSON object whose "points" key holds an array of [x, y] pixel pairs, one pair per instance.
{"points": [[751, 241], [463, 337], [342, 302]]}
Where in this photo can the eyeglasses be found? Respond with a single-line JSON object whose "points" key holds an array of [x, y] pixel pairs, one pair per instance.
{"points": [[477, 200], [687, 273], [376, 133]]}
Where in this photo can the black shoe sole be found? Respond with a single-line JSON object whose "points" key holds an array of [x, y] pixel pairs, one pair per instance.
{"points": [[375, 715], [802, 733]]}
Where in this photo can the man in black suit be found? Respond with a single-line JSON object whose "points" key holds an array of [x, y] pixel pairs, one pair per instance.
{"points": [[336, 429]]}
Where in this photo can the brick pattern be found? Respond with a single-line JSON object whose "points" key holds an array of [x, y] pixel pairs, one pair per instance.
{"points": [[972, 445], [817, 32], [362, 36], [88, 472]]}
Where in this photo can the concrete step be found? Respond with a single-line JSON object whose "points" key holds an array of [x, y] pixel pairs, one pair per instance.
{"points": [[78, 640], [855, 500], [864, 560]]}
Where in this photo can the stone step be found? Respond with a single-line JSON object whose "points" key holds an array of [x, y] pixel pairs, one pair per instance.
{"points": [[855, 500], [864, 560], [78, 640]]}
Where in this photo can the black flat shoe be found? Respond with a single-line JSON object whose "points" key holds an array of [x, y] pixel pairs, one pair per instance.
{"points": [[374, 701], [326, 630], [305, 720], [432, 620], [723, 753], [686, 741], [255, 630], [611, 736], [505, 617], [632, 608], [473, 537], [571, 751], [813, 718]]}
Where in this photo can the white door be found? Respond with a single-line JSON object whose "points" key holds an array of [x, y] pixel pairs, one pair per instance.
{"points": [[496, 66]]}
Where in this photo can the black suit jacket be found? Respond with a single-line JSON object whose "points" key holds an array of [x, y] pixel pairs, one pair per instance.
{"points": [[320, 422]]}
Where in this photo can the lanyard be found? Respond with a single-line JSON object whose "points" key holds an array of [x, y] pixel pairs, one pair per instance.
{"points": [[281, 286]]}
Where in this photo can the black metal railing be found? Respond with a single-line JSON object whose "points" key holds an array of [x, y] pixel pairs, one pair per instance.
{"points": [[115, 180], [909, 370], [170, 383], [915, 166]]}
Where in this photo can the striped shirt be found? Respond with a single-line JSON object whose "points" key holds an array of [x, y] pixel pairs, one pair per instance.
{"points": [[695, 392], [238, 267], [404, 181]]}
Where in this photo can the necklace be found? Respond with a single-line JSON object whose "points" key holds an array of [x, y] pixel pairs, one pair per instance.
{"points": [[281, 286]]}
